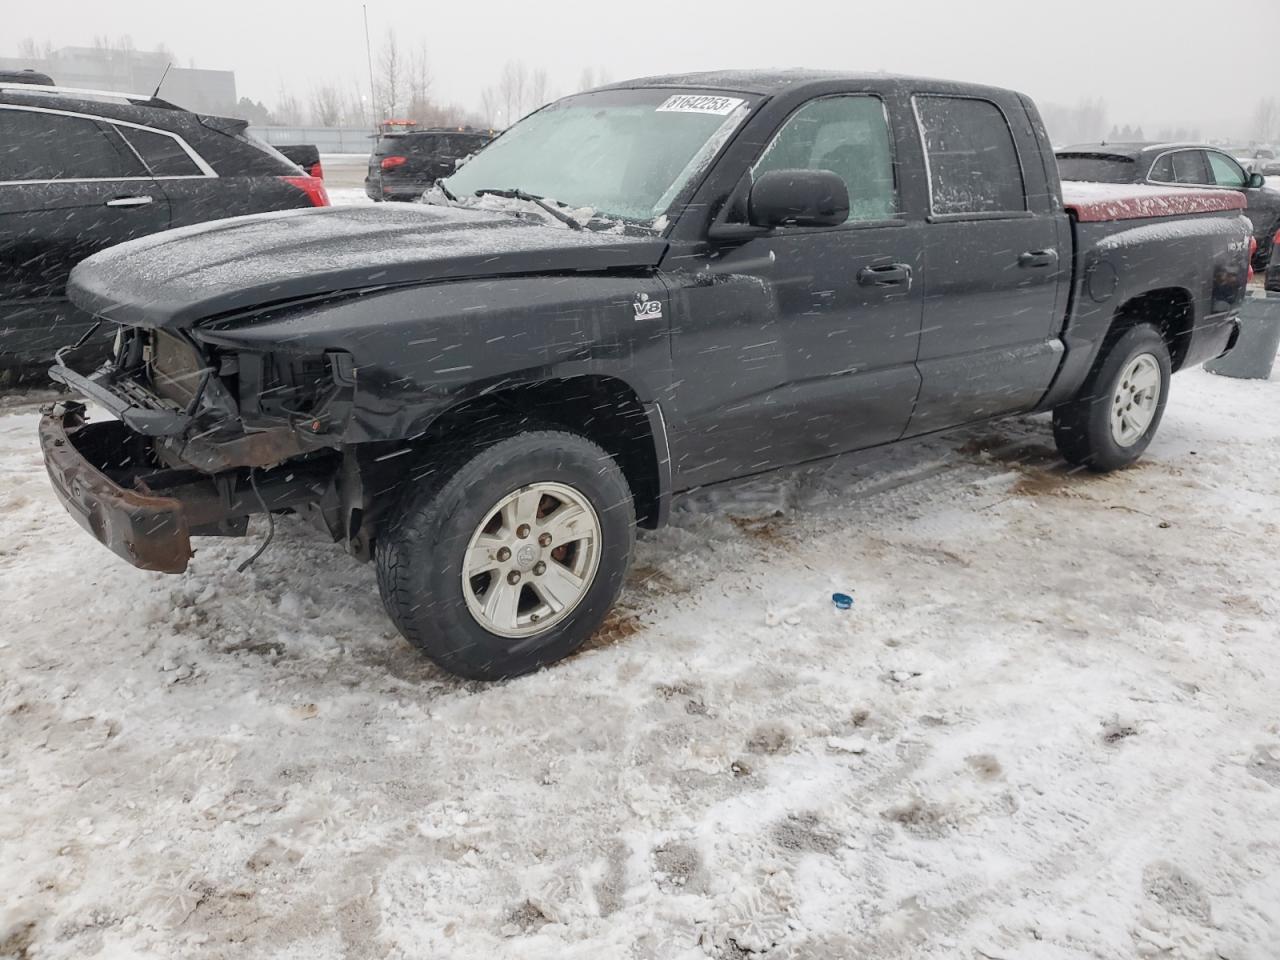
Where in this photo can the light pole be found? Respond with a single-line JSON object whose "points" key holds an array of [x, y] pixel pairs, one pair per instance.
{"points": [[368, 52]]}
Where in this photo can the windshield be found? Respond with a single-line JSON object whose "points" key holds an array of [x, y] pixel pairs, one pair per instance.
{"points": [[627, 154]]}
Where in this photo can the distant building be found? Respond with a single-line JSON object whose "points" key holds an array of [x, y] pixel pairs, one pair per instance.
{"points": [[134, 71]]}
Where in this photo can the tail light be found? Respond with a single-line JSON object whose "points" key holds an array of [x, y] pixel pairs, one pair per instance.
{"points": [[390, 163], [316, 171], [1253, 250], [313, 187]]}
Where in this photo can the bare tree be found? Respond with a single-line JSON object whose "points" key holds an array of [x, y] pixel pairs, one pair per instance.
{"points": [[421, 107], [538, 90], [357, 109], [489, 107], [592, 77], [390, 85], [326, 105], [288, 111], [29, 49], [1266, 120], [513, 86], [1086, 121]]}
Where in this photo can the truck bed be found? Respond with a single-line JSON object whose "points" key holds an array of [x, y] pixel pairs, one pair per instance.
{"points": [[1097, 202]]}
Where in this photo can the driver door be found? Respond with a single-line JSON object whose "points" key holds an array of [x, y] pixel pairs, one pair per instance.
{"points": [[802, 344]]}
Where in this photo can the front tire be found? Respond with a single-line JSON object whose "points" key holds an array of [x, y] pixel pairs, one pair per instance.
{"points": [[510, 556], [1113, 419]]}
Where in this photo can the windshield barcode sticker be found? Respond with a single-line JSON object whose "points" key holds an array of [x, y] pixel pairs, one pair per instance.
{"points": [[700, 103]]}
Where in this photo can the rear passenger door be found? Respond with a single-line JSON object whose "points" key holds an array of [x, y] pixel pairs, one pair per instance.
{"points": [[186, 178], [995, 241], [69, 187]]}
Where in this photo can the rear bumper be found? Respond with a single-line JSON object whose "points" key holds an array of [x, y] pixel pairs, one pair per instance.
{"points": [[393, 190], [151, 532]]}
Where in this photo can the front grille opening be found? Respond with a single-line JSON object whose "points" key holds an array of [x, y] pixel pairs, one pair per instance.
{"points": [[295, 386]]}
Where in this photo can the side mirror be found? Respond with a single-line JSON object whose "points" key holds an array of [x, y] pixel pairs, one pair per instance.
{"points": [[798, 198], [1255, 181]]}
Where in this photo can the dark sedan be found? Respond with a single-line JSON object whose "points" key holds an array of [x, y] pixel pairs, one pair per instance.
{"points": [[1178, 164]]}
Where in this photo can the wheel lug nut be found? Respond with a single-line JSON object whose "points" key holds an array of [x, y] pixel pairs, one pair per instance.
{"points": [[513, 577], [539, 568], [544, 540], [504, 554], [522, 531]]}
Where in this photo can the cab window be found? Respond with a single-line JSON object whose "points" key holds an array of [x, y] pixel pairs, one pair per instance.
{"points": [[848, 136], [973, 163]]}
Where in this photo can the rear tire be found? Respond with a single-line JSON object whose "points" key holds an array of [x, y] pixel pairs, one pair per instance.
{"points": [[510, 555], [1113, 419]]}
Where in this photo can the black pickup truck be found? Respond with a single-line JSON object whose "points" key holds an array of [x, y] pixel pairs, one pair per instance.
{"points": [[667, 283]]}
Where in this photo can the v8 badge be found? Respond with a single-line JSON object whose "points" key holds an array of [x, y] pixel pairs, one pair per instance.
{"points": [[647, 309]]}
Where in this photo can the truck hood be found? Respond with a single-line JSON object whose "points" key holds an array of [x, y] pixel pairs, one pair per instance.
{"points": [[177, 278]]}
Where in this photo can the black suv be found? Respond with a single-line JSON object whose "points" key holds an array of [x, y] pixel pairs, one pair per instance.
{"points": [[83, 170], [404, 166]]}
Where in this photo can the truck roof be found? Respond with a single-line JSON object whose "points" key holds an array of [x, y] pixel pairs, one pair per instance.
{"points": [[774, 81]]}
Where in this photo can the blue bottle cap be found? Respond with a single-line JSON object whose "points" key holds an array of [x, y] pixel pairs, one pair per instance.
{"points": [[842, 601]]}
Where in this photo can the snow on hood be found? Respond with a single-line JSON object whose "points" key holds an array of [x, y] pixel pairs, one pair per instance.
{"points": [[179, 277]]}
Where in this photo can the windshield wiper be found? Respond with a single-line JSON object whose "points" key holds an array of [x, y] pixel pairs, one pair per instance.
{"points": [[448, 195], [515, 193]]}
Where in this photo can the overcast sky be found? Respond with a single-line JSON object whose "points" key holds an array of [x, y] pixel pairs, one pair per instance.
{"points": [[1175, 63]]}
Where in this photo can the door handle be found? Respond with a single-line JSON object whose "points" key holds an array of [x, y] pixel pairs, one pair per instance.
{"points": [[888, 275], [129, 202], [1038, 258]]}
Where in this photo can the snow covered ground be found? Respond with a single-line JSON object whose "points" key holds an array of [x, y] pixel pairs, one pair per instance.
{"points": [[1047, 729], [347, 196]]}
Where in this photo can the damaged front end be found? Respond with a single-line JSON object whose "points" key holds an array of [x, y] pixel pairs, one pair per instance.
{"points": [[185, 455]]}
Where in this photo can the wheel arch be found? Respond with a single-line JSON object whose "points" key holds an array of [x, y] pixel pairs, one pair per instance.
{"points": [[603, 408], [1171, 310]]}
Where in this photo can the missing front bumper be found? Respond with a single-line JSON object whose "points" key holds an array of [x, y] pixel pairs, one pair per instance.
{"points": [[149, 531], [106, 479]]}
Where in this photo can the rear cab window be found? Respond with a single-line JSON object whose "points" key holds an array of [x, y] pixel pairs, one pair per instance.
{"points": [[973, 163]]}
